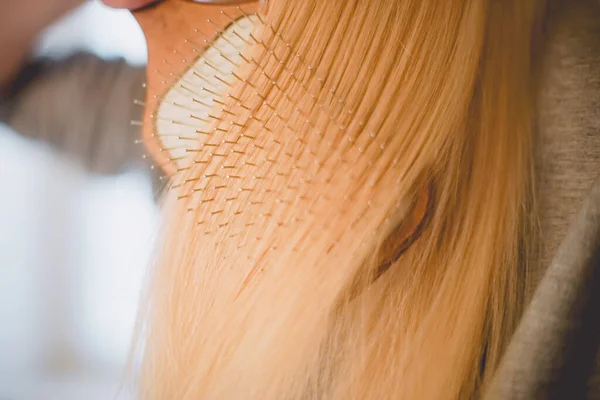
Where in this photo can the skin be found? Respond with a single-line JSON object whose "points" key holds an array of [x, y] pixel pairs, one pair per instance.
{"points": [[22, 21], [128, 4]]}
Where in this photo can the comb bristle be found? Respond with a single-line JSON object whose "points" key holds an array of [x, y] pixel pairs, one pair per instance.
{"points": [[245, 81]]}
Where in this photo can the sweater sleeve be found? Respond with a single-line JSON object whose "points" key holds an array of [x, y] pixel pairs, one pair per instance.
{"points": [[83, 107]]}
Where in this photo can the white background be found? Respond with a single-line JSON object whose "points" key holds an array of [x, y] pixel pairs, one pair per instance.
{"points": [[73, 248]]}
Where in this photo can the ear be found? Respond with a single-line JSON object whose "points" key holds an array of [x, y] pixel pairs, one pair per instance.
{"points": [[167, 25], [405, 234]]}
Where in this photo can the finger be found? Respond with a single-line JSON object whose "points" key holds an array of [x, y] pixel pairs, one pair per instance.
{"points": [[129, 4]]}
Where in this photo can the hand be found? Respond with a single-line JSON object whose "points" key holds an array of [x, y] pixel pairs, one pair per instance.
{"points": [[20, 23], [129, 4]]}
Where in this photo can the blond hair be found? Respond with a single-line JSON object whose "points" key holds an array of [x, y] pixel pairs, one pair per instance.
{"points": [[267, 285]]}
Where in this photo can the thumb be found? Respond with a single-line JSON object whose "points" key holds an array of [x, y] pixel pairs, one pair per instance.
{"points": [[129, 4]]}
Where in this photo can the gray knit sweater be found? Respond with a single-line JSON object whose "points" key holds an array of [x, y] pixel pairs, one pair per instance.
{"points": [[82, 106]]}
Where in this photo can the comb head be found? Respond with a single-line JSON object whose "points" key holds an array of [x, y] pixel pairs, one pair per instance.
{"points": [[249, 132], [177, 33]]}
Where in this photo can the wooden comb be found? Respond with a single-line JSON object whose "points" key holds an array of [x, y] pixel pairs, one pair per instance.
{"points": [[166, 26]]}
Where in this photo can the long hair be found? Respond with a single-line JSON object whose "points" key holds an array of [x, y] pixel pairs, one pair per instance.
{"points": [[341, 116]]}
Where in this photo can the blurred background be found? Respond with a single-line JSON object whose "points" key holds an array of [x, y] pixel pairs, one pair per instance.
{"points": [[75, 244]]}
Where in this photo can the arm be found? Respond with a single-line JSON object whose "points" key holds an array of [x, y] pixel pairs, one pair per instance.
{"points": [[83, 106]]}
